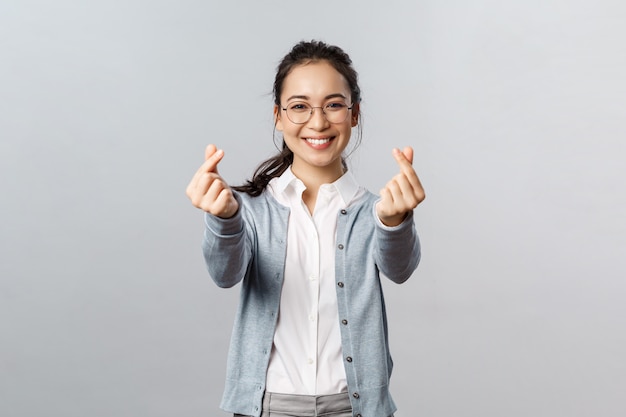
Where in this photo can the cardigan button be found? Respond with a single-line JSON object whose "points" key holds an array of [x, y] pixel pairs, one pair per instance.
{"points": [[340, 246], [355, 395], [344, 322], [344, 211], [349, 358], [340, 284]]}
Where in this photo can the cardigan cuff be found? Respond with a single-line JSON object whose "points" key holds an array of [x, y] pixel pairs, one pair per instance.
{"points": [[407, 220], [225, 227]]}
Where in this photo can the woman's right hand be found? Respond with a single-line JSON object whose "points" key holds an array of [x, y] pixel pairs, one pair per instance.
{"points": [[208, 191]]}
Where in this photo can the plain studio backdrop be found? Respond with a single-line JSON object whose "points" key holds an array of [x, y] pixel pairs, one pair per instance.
{"points": [[516, 111]]}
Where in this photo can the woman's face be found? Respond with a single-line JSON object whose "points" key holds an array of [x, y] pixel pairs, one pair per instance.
{"points": [[317, 144]]}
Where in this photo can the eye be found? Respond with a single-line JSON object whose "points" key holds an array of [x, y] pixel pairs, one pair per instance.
{"points": [[299, 107], [335, 106]]}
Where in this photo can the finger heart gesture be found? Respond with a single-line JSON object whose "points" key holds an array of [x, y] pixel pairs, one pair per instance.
{"points": [[208, 191], [402, 193]]}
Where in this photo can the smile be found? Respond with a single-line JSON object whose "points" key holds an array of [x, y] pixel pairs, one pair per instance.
{"points": [[318, 142]]}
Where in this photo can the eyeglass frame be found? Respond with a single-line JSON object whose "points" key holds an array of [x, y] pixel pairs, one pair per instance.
{"points": [[311, 114]]}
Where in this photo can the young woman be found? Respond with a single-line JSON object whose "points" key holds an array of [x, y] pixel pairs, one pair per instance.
{"points": [[308, 245]]}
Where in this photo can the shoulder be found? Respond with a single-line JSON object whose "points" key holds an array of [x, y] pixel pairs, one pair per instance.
{"points": [[369, 196], [263, 201], [262, 210], [363, 199]]}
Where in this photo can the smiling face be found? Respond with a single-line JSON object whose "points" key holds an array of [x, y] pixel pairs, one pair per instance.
{"points": [[317, 144]]}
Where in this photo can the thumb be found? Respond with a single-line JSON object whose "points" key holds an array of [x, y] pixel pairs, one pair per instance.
{"points": [[408, 154], [212, 156]]}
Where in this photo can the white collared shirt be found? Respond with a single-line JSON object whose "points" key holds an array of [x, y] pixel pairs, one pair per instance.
{"points": [[306, 357]]}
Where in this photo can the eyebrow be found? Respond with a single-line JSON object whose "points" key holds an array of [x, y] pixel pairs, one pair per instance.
{"points": [[328, 97]]}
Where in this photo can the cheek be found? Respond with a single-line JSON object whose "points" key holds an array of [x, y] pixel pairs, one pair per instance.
{"points": [[290, 129], [347, 129]]}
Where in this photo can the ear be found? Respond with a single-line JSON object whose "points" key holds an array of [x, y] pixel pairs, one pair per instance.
{"points": [[356, 112], [278, 123]]}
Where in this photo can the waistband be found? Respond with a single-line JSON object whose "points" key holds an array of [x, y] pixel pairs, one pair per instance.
{"points": [[306, 405]]}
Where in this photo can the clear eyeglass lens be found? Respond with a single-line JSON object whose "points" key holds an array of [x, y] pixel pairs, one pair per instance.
{"points": [[302, 112]]}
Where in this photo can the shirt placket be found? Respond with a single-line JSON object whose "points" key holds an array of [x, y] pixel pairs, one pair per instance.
{"points": [[313, 291]]}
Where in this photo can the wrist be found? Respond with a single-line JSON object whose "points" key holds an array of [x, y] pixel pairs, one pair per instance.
{"points": [[392, 221]]}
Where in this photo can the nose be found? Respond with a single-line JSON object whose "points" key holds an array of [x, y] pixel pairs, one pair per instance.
{"points": [[318, 119]]}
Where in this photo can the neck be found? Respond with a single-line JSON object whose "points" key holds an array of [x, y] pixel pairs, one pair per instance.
{"points": [[314, 177]]}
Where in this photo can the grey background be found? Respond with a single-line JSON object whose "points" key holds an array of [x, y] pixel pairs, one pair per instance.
{"points": [[516, 112]]}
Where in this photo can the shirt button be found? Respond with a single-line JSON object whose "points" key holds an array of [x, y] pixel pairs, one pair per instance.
{"points": [[349, 358], [310, 361], [311, 317], [355, 395], [340, 246], [340, 284], [344, 322]]}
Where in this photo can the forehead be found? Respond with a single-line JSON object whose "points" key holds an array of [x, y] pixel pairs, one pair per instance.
{"points": [[315, 80]]}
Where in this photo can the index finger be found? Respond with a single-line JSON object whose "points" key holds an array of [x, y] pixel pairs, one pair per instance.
{"points": [[210, 150], [404, 159]]}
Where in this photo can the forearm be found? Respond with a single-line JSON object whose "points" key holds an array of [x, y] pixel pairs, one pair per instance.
{"points": [[226, 249], [397, 249]]}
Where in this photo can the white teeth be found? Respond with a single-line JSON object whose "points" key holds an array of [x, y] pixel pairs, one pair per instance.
{"points": [[317, 141]]}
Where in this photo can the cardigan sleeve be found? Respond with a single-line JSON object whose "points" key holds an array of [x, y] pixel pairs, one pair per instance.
{"points": [[397, 249], [226, 247]]}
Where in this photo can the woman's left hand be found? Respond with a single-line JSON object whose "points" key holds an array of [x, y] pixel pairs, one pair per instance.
{"points": [[403, 193]]}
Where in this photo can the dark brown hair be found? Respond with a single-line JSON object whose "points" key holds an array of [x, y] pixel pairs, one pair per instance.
{"points": [[302, 53]]}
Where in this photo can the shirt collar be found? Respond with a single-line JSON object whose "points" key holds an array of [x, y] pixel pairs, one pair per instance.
{"points": [[346, 185], [285, 180]]}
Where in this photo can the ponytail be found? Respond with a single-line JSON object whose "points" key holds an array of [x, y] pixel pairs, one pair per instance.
{"points": [[271, 168]]}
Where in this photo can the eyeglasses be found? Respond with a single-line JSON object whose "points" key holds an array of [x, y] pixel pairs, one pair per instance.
{"points": [[300, 113]]}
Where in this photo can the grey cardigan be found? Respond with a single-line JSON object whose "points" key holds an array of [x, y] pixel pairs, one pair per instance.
{"points": [[251, 247]]}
